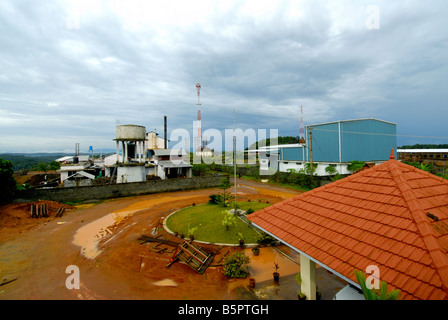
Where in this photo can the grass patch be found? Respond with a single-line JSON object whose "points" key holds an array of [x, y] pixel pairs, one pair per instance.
{"points": [[292, 186], [207, 221]]}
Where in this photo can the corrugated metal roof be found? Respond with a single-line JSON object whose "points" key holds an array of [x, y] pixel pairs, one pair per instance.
{"points": [[350, 120]]}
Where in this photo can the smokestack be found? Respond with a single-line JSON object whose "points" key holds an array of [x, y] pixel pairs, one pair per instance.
{"points": [[165, 134]]}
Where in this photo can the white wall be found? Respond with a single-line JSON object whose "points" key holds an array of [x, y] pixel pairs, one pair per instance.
{"points": [[127, 174], [341, 168]]}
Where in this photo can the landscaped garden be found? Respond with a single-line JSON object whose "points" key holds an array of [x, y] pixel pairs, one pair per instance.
{"points": [[213, 223]]}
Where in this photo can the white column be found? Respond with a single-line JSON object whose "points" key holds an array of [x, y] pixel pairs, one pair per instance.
{"points": [[118, 149], [308, 273]]}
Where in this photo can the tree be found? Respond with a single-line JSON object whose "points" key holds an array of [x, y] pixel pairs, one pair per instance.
{"points": [[374, 294], [224, 185], [199, 169], [7, 181], [229, 220], [42, 166], [54, 165]]}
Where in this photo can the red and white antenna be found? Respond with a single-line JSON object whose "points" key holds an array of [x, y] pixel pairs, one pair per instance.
{"points": [[199, 137]]}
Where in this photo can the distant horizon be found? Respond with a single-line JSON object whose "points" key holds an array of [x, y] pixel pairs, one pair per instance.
{"points": [[113, 151]]}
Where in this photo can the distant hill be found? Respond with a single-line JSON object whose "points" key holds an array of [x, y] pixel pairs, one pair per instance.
{"points": [[28, 161]]}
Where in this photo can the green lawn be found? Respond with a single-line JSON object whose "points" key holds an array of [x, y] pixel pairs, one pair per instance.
{"points": [[207, 218]]}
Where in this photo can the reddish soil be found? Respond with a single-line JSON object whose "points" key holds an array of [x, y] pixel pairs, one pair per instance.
{"points": [[36, 252]]}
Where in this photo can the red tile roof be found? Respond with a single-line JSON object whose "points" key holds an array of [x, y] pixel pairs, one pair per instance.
{"points": [[391, 215]]}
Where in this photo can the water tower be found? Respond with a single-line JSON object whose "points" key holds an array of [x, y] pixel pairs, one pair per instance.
{"points": [[131, 166]]}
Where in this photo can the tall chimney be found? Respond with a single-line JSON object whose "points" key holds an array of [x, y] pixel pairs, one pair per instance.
{"points": [[165, 134]]}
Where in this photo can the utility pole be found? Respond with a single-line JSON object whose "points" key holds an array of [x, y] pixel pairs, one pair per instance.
{"points": [[311, 152], [234, 155]]}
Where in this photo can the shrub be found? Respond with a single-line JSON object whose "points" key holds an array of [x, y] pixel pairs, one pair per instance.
{"points": [[7, 181], [265, 239], [228, 220], [235, 266], [215, 199], [249, 211]]}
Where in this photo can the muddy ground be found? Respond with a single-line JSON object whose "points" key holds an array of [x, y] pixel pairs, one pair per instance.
{"points": [[101, 239]]}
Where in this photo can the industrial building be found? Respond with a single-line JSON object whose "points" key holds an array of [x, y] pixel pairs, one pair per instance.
{"points": [[334, 144], [142, 159], [434, 156], [139, 156]]}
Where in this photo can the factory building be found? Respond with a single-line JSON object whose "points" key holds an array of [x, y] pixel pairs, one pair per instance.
{"points": [[140, 156], [334, 144], [144, 156]]}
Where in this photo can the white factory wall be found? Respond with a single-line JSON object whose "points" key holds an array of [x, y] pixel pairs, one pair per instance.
{"points": [[127, 174]]}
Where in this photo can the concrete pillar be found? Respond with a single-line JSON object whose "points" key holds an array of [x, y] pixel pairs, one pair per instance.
{"points": [[140, 154], [118, 149], [308, 273], [125, 152]]}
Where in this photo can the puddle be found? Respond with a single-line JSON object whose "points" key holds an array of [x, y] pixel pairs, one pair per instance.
{"points": [[88, 236], [262, 266], [165, 283]]}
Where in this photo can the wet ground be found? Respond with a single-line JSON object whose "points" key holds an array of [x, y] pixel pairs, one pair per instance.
{"points": [[101, 239]]}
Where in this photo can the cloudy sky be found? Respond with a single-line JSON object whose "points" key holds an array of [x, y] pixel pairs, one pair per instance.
{"points": [[71, 70]]}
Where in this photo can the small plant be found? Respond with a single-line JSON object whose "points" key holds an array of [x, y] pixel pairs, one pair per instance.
{"points": [[374, 294], [241, 239], [276, 274], [256, 251], [191, 232], [299, 279], [301, 295], [235, 266], [249, 211], [229, 220]]}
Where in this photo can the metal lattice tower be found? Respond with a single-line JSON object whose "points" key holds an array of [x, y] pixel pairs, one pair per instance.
{"points": [[199, 137]]}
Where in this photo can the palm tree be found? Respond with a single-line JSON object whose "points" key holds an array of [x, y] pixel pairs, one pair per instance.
{"points": [[374, 294]]}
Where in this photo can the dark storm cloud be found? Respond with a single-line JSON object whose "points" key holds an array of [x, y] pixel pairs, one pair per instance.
{"points": [[69, 70]]}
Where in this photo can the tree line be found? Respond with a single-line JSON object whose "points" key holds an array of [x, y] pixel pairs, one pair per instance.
{"points": [[21, 162]]}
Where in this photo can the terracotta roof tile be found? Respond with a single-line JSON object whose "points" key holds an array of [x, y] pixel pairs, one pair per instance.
{"points": [[376, 216]]}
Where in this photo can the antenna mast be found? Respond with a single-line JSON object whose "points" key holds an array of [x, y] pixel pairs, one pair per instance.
{"points": [[199, 138]]}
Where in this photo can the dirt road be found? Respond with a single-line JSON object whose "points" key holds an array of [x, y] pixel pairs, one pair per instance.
{"points": [[101, 240]]}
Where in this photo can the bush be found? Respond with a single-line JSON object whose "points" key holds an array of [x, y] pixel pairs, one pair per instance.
{"points": [[265, 239], [7, 181], [249, 211], [215, 199], [235, 266]]}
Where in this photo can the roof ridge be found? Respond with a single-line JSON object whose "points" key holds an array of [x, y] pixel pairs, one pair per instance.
{"points": [[438, 255]]}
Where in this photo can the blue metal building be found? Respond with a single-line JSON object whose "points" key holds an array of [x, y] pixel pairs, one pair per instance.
{"points": [[345, 141]]}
